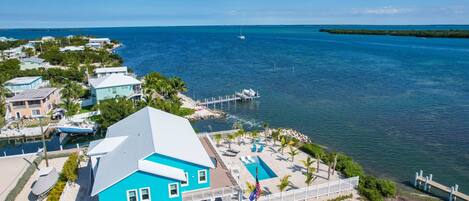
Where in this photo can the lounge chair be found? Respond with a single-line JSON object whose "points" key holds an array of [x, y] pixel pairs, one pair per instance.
{"points": [[233, 151], [261, 148], [244, 159], [230, 154], [250, 159]]}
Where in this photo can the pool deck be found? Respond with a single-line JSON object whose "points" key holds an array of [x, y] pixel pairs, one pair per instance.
{"points": [[280, 164]]}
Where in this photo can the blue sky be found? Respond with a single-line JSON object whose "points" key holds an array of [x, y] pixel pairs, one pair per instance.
{"points": [[98, 13]]}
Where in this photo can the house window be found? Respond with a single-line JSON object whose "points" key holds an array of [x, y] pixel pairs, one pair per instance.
{"points": [[145, 194], [132, 195], [36, 112], [202, 176], [114, 90], [185, 183], [173, 190]]}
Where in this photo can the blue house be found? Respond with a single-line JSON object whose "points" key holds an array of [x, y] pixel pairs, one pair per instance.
{"points": [[20, 84], [113, 86], [150, 155]]}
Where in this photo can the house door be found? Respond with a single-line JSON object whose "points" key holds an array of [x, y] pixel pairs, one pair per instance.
{"points": [[18, 116]]}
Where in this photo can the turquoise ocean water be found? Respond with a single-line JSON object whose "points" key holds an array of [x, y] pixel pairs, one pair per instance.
{"points": [[395, 104]]}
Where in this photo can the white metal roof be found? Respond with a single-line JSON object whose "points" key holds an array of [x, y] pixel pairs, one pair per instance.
{"points": [[72, 48], [148, 131], [162, 170], [112, 81], [111, 69], [22, 80], [105, 145], [98, 40]]}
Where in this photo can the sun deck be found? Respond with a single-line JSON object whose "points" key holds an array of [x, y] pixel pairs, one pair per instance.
{"points": [[281, 165], [222, 183]]}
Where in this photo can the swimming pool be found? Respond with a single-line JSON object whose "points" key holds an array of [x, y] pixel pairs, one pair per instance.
{"points": [[264, 171]]}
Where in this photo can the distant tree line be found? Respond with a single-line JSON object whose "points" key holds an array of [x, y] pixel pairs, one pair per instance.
{"points": [[50, 51], [416, 33], [5, 45]]}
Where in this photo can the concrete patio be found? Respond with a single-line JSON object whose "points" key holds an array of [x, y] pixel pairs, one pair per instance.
{"points": [[281, 165]]}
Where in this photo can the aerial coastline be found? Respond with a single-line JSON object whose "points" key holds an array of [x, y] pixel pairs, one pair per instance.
{"points": [[196, 111]]}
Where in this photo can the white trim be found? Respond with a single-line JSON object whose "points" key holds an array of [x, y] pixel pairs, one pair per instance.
{"points": [[187, 180], [141, 194], [195, 190], [136, 194], [198, 176], [169, 190]]}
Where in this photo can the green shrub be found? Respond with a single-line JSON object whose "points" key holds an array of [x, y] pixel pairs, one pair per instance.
{"points": [[387, 187], [370, 187], [313, 150], [69, 173], [56, 192], [371, 194]]}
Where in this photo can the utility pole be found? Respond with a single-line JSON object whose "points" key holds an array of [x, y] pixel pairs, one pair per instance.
{"points": [[44, 147]]}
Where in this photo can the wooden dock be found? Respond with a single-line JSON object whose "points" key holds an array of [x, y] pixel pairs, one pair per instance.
{"points": [[427, 183], [237, 96]]}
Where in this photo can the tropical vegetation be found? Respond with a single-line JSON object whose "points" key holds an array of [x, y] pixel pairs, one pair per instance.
{"points": [[416, 33], [373, 188]]}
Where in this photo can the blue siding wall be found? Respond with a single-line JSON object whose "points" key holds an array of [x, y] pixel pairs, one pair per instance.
{"points": [[111, 92], [190, 168], [158, 188], [21, 87]]}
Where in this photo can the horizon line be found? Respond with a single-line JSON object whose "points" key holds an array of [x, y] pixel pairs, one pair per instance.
{"points": [[224, 25]]}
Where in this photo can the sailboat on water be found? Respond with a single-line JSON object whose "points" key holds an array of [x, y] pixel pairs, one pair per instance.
{"points": [[241, 36]]}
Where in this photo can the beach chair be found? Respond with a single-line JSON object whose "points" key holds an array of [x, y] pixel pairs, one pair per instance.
{"points": [[244, 159], [230, 154], [233, 151], [250, 159], [254, 147], [261, 148]]}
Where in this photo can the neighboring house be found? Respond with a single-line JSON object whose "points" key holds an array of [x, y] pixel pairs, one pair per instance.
{"points": [[101, 72], [20, 84], [72, 48], [101, 41], [47, 38], [33, 63], [14, 53], [4, 39], [94, 45], [31, 103], [150, 155], [113, 86]]}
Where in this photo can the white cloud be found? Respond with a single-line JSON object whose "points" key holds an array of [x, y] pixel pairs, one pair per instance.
{"points": [[387, 10]]}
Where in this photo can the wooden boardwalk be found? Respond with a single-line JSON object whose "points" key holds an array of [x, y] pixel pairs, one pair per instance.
{"points": [[428, 183]]}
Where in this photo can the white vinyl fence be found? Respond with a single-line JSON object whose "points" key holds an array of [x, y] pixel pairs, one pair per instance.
{"points": [[316, 191]]}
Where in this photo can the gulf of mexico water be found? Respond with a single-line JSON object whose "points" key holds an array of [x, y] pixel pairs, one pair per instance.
{"points": [[395, 104]]}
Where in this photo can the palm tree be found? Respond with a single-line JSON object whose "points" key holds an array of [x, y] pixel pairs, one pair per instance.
{"points": [[318, 159], [178, 84], [284, 182], [275, 136], [217, 138], [230, 138], [309, 180], [254, 134], [307, 164], [283, 143], [293, 152]]}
